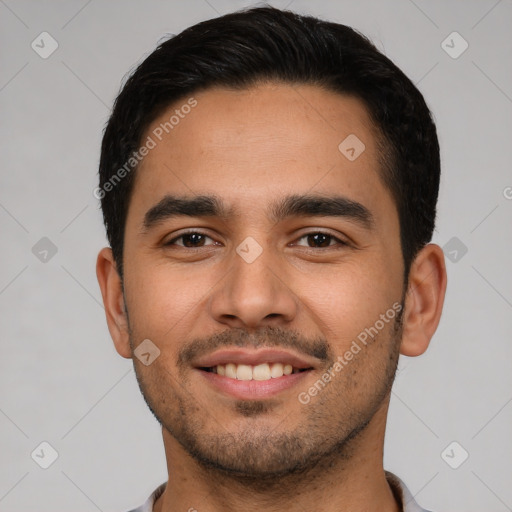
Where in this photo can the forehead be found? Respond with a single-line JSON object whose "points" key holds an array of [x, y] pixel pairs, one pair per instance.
{"points": [[262, 142]]}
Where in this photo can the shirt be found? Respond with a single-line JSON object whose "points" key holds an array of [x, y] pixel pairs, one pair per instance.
{"points": [[400, 491]]}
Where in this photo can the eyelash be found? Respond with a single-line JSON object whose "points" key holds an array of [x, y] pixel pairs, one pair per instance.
{"points": [[326, 233]]}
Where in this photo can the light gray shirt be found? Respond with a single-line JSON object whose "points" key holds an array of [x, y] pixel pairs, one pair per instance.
{"points": [[402, 494]]}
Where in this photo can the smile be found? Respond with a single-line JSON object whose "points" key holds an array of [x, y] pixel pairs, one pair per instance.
{"points": [[247, 374], [260, 372]]}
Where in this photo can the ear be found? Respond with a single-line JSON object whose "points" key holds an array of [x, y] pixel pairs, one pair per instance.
{"points": [[424, 300], [113, 300]]}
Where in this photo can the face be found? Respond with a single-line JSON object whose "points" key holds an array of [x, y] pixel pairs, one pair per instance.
{"points": [[256, 247]]}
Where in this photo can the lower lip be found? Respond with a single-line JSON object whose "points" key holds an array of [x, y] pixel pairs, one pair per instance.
{"points": [[253, 389]]}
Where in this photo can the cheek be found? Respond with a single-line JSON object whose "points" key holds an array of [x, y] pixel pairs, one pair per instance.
{"points": [[346, 299], [163, 300]]}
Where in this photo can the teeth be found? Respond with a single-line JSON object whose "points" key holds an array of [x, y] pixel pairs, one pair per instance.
{"points": [[276, 370], [244, 372], [230, 370], [261, 372], [265, 371]]}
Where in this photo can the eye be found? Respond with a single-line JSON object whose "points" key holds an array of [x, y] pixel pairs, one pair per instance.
{"points": [[191, 240], [320, 239]]}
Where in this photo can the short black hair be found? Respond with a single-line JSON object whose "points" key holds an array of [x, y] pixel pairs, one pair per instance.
{"points": [[266, 44]]}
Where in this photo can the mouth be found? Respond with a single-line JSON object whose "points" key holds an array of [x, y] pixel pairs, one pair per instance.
{"points": [[253, 375], [260, 372]]}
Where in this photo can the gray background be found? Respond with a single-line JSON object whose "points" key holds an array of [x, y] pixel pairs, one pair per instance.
{"points": [[61, 379]]}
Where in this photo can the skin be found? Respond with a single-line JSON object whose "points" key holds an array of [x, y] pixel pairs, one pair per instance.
{"points": [[251, 148]]}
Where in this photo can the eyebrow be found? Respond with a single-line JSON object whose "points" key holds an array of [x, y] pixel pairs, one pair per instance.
{"points": [[173, 206], [308, 205], [322, 206]]}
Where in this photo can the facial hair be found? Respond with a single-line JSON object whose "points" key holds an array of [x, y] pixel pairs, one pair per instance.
{"points": [[261, 454]]}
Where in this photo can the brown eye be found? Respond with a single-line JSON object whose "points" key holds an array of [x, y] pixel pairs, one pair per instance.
{"points": [[190, 240], [193, 240], [320, 240]]}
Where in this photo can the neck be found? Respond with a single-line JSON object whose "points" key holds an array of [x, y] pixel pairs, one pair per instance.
{"points": [[352, 479]]}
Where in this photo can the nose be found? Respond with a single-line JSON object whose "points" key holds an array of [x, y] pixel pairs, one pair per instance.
{"points": [[254, 294]]}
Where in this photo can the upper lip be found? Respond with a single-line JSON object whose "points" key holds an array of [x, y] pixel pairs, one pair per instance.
{"points": [[252, 358]]}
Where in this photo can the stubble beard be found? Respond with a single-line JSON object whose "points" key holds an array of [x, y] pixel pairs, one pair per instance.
{"points": [[266, 457]]}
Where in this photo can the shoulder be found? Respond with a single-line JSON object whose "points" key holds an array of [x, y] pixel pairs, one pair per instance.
{"points": [[402, 494], [148, 504]]}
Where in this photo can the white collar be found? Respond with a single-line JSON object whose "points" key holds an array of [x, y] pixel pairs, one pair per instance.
{"points": [[399, 489]]}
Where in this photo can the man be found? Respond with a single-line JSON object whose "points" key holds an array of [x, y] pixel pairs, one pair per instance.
{"points": [[269, 185]]}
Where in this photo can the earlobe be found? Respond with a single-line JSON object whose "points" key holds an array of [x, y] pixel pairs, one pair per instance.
{"points": [[113, 300], [424, 300]]}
